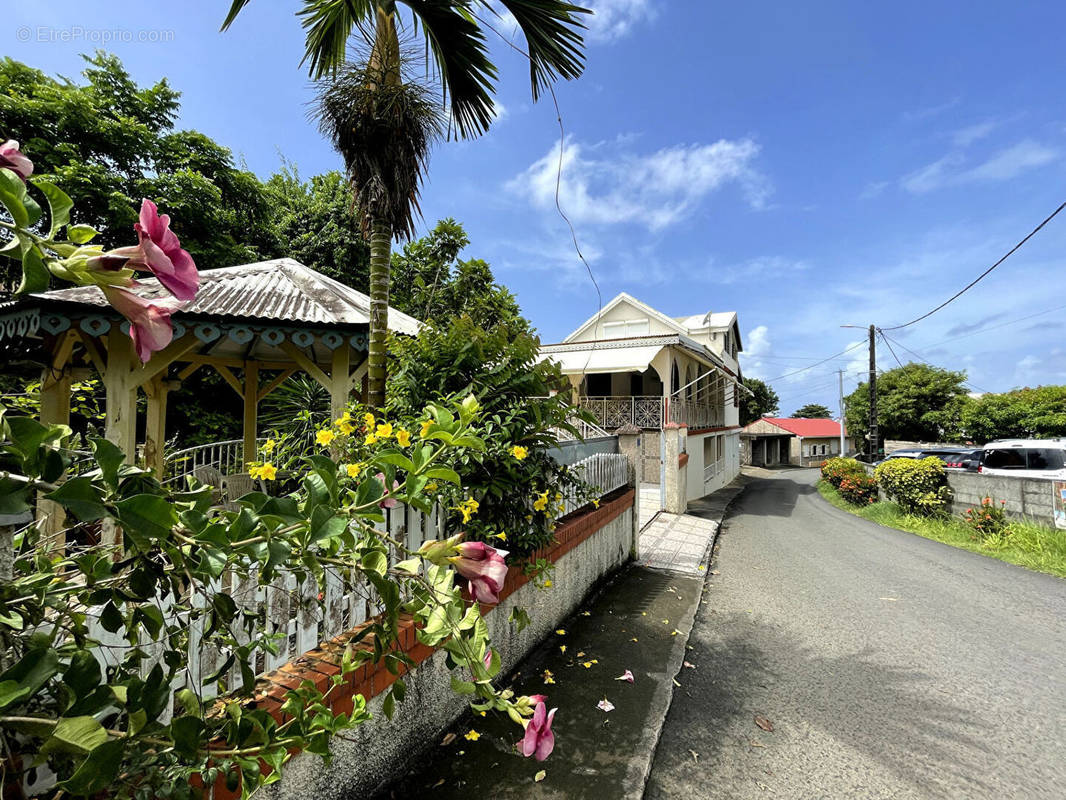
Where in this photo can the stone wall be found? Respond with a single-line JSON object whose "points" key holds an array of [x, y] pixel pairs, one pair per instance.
{"points": [[589, 546]]}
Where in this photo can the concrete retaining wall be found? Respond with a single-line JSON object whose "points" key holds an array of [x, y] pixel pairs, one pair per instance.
{"points": [[1026, 497], [380, 750]]}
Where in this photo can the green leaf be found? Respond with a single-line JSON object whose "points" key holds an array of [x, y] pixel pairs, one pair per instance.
{"points": [[27, 434], [14, 497], [146, 518], [187, 733], [35, 274], [59, 205], [109, 457], [375, 561], [75, 735], [462, 687], [13, 196], [410, 566], [98, 771], [389, 706], [81, 234], [80, 497], [25, 678], [397, 459], [444, 474], [83, 674]]}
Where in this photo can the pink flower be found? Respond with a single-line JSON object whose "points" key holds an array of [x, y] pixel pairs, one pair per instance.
{"points": [[483, 566], [150, 326], [534, 699], [12, 158], [159, 251], [539, 740], [387, 501]]}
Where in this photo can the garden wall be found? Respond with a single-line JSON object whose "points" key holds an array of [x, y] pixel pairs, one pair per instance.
{"points": [[589, 546], [1026, 497]]}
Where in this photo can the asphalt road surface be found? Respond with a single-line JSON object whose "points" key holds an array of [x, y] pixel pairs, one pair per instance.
{"points": [[887, 665]]}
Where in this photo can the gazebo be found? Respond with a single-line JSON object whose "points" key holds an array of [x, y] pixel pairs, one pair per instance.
{"points": [[255, 324]]}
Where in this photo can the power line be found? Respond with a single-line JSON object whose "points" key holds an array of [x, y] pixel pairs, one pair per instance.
{"points": [[994, 327], [818, 363], [974, 282], [893, 352]]}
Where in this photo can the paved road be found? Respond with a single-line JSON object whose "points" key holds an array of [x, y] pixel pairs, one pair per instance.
{"points": [[888, 665]]}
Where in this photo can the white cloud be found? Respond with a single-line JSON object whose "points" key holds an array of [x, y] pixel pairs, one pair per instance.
{"points": [[758, 268], [613, 19], [656, 190], [756, 345], [964, 137], [1004, 165]]}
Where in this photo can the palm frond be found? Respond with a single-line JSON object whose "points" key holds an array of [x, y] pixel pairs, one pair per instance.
{"points": [[327, 25], [384, 132], [552, 29], [467, 76]]}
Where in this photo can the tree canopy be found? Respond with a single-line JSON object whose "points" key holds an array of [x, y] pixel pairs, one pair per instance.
{"points": [[1029, 413], [812, 411], [431, 283], [763, 403], [915, 402]]}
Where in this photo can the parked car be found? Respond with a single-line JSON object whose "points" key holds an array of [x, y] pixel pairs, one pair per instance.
{"points": [[953, 457], [1025, 458]]}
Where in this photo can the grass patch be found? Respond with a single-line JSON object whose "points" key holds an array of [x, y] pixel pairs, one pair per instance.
{"points": [[1027, 544]]}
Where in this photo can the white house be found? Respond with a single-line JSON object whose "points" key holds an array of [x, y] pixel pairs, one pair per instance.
{"points": [[633, 365]]}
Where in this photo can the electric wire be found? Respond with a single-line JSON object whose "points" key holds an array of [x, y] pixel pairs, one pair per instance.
{"points": [[976, 280]]}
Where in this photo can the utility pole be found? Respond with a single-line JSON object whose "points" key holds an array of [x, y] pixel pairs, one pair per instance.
{"points": [[874, 442], [840, 372]]}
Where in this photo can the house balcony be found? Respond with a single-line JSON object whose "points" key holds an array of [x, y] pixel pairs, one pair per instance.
{"points": [[651, 412]]}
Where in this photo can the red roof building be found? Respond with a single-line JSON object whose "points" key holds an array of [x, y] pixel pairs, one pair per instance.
{"points": [[774, 441]]}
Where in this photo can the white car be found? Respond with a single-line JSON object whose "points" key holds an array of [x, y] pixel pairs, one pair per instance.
{"points": [[1025, 458]]}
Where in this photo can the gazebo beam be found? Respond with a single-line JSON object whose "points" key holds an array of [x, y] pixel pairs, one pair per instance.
{"points": [[306, 364], [276, 382], [231, 379], [162, 360], [55, 410], [121, 418], [340, 381], [251, 410], [155, 432]]}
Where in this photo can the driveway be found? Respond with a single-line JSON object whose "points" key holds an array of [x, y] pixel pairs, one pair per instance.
{"points": [[887, 665]]}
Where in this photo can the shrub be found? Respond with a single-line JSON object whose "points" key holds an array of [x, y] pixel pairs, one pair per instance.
{"points": [[987, 520], [517, 495], [858, 489], [835, 470], [919, 486]]}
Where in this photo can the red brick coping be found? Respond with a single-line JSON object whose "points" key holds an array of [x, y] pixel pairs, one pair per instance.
{"points": [[321, 664], [701, 431]]}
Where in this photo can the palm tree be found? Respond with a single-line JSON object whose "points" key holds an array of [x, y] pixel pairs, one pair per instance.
{"points": [[384, 127]]}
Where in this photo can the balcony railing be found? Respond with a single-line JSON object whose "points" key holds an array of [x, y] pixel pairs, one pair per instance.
{"points": [[646, 411], [696, 414]]}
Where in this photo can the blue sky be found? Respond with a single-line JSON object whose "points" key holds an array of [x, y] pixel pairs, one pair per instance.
{"points": [[807, 165]]}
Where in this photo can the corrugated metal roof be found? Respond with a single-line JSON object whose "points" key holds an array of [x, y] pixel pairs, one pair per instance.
{"points": [[806, 427], [281, 290]]}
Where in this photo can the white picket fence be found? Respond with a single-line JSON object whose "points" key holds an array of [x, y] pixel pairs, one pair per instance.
{"points": [[292, 612]]}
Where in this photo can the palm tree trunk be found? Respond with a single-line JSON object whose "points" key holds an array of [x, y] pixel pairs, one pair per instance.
{"points": [[380, 257]]}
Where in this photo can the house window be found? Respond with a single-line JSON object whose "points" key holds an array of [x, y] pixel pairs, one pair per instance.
{"points": [[806, 450], [626, 328]]}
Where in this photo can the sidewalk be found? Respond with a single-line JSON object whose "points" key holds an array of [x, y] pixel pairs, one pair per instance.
{"points": [[640, 621]]}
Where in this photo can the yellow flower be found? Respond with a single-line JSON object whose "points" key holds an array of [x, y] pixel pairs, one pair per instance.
{"points": [[426, 425], [587, 665], [368, 419], [548, 676], [548, 584], [561, 632], [268, 448], [343, 418], [325, 437], [595, 502], [468, 508], [353, 470], [562, 648], [266, 472], [431, 486], [541, 502], [370, 439], [384, 430], [345, 427], [519, 452], [501, 536], [403, 438], [473, 736]]}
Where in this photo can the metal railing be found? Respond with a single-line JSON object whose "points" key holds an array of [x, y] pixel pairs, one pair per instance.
{"points": [[696, 414], [643, 411], [227, 457]]}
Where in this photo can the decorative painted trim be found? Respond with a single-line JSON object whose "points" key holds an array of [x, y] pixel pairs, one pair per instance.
{"points": [[302, 338], [206, 332], [95, 325]]}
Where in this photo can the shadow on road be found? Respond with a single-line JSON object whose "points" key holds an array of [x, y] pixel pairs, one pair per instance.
{"points": [[774, 497], [892, 716]]}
